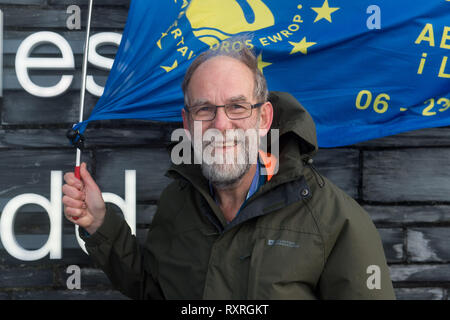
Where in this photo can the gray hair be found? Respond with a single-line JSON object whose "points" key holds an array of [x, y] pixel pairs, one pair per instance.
{"points": [[242, 53]]}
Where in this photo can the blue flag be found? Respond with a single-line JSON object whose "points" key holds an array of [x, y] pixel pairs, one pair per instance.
{"points": [[362, 71]]}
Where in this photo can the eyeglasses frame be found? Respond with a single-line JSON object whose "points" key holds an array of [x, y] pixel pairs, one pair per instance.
{"points": [[252, 106]]}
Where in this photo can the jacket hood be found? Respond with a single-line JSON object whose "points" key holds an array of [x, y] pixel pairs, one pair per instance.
{"points": [[293, 122]]}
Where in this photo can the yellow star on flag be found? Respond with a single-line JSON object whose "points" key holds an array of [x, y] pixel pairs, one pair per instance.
{"points": [[262, 64], [301, 46], [170, 68], [324, 12], [158, 43]]}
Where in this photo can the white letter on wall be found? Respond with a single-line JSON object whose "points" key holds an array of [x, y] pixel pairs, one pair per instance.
{"points": [[25, 62], [98, 40], [53, 208]]}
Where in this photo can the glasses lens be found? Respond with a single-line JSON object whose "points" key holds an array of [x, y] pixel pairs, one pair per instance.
{"points": [[238, 110], [205, 112]]}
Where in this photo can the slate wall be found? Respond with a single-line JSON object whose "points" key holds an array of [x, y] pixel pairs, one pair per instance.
{"points": [[403, 181]]}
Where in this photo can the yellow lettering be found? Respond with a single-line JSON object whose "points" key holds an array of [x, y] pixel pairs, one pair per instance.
{"points": [[183, 50], [275, 38], [263, 41], [297, 18], [445, 37], [426, 35], [442, 73], [422, 63], [293, 27], [236, 46], [445, 102], [249, 44], [285, 33], [368, 99], [181, 41], [215, 46], [378, 102], [225, 46], [177, 33], [426, 112]]}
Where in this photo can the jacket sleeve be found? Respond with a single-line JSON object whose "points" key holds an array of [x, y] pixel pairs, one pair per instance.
{"points": [[117, 252], [355, 265]]}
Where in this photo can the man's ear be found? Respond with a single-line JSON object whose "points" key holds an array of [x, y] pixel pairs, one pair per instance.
{"points": [[266, 117]]}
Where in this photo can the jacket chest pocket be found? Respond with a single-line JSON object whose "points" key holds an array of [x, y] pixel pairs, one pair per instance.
{"points": [[285, 264]]}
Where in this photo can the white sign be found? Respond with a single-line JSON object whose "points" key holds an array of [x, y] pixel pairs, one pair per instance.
{"points": [[95, 42], [25, 62], [53, 207]]}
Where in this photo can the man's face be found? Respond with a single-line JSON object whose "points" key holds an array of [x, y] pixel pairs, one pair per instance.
{"points": [[219, 81]]}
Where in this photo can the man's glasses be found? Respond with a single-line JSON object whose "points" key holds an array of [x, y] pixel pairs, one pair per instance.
{"points": [[234, 111]]}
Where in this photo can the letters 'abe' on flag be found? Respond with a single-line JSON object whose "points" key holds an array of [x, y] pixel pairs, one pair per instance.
{"points": [[363, 71]]}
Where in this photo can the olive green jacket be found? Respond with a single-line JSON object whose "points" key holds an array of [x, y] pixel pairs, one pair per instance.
{"points": [[298, 237]]}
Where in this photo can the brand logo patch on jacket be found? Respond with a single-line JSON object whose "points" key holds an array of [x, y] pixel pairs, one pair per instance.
{"points": [[284, 243]]}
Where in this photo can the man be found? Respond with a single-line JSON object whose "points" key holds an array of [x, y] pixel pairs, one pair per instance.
{"points": [[228, 231]]}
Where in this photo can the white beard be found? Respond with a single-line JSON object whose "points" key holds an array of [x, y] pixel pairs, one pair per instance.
{"points": [[227, 173], [225, 169]]}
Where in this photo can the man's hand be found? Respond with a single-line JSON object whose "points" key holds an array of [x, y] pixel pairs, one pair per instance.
{"points": [[83, 202]]}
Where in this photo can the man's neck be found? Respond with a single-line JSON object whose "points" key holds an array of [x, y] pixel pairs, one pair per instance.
{"points": [[230, 199]]}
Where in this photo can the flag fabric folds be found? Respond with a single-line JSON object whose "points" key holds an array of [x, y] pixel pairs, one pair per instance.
{"points": [[363, 71]]}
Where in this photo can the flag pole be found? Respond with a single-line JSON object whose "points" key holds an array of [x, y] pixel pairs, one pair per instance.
{"points": [[83, 84]]}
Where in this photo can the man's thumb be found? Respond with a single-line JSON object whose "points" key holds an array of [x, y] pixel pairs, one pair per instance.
{"points": [[85, 175]]}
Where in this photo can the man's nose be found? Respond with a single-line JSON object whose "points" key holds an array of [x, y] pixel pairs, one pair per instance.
{"points": [[221, 121]]}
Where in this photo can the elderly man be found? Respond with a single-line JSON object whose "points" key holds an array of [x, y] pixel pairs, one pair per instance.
{"points": [[238, 230]]}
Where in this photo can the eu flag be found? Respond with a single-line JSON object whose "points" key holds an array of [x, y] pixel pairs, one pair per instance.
{"points": [[363, 69]]}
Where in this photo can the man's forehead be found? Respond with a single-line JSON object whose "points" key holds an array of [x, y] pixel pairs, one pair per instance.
{"points": [[221, 80], [222, 66]]}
